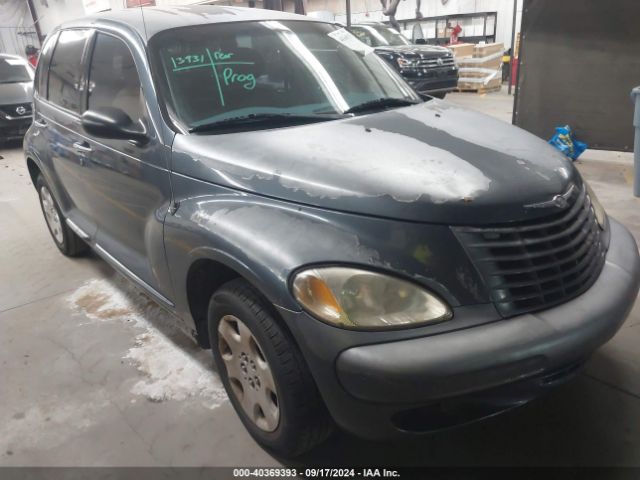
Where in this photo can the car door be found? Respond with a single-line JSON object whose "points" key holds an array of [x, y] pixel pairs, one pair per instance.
{"points": [[57, 122], [129, 180]]}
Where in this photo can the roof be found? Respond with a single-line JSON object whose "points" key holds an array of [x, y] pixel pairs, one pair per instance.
{"points": [[12, 57], [157, 19]]}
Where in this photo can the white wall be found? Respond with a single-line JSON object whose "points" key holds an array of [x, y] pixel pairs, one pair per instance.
{"points": [[371, 10], [54, 12], [15, 17]]}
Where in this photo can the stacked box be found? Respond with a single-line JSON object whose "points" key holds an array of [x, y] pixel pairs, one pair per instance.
{"points": [[486, 49], [462, 50], [482, 71]]}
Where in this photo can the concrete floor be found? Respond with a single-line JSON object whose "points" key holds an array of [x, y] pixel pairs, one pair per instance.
{"points": [[93, 374]]}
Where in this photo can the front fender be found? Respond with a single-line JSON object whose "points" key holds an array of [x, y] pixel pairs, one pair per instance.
{"points": [[266, 240]]}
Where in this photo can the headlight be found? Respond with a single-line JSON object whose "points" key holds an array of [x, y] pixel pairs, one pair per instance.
{"points": [[363, 300], [405, 63], [598, 210]]}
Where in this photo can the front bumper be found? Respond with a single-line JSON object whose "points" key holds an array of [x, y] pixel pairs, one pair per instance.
{"points": [[431, 382], [445, 80], [15, 127]]}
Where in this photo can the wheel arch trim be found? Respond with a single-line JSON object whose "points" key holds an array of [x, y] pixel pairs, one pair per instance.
{"points": [[203, 260]]}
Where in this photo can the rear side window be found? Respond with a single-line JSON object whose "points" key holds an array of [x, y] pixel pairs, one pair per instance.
{"points": [[65, 70], [113, 78], [362, 35], [43, 64]]}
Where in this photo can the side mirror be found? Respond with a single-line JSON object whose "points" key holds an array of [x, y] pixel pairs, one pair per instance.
{"points": [[421, 41], [112, 122]]}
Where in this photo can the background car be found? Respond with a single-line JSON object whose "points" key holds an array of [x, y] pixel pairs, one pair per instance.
{"points": [[16, 95], [429, 69]]}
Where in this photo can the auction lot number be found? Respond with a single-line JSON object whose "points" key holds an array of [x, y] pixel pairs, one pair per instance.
{"points": [[315, 473]]}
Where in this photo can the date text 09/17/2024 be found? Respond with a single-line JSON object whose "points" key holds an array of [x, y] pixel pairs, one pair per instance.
{"points": [[315, 473]]}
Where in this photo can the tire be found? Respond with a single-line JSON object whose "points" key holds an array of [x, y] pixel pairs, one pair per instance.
{"points": [[67, 241], [236, 311]]}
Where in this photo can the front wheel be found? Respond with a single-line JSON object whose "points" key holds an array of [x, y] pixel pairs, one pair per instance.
{"points": [[264, 373]]}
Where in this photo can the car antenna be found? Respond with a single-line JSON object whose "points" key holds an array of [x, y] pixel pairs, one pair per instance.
{"points": [[144, 24]]}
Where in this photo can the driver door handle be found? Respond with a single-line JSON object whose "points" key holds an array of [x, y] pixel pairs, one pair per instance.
{"points": [[83, 147]]}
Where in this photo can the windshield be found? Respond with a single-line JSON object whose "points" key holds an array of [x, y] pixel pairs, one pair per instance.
{"points": [[14, 71], [214, 72], [379, 35]]}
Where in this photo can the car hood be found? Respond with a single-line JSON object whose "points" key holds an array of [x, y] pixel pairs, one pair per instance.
{"points": [[12, 93], [424, 51], [433, 162]]}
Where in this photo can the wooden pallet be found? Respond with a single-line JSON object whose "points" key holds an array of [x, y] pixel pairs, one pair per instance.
{"points": [[479, 90]]}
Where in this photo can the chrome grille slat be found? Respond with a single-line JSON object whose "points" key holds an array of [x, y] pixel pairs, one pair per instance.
{"points": [[447, 61], [538, 263]]}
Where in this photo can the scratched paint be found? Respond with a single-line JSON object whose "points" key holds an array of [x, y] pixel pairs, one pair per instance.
{"points": [[432, 162]]}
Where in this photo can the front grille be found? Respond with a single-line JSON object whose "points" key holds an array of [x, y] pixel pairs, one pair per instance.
{"points": [[533, 265], [447, 61], [11, 110]]}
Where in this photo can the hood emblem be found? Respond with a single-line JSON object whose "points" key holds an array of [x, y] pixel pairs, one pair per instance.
{"points": [[21, 110], [440, 61], [558, 201]]}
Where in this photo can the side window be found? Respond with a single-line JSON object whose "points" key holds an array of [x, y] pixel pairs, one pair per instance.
{"points": [[65, 71], [361, 35], [113, 78]]}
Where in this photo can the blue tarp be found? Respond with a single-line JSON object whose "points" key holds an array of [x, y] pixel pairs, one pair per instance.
{"points": [[565, 141]]}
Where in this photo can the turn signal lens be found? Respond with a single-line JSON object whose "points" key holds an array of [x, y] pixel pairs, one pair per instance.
{"points": [[601, 215], [363, 300]]}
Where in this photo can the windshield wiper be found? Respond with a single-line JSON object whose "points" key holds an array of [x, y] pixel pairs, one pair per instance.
{"points": [[262, 118], [381, 103]]}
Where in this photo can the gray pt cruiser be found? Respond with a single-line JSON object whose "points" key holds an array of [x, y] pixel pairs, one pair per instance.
{"points": [[351, 254]]}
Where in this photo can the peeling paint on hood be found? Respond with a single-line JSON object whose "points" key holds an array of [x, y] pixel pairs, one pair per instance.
{"points": [[433, 162]]}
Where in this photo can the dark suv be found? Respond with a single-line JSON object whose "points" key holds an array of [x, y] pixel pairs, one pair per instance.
{"points": [[429, 69], [350, 253]]}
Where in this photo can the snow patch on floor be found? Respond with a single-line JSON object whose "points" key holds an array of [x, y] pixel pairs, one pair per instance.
{"points": [[174, 367]]}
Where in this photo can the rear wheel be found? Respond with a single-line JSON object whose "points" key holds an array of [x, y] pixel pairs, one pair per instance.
{"points": [[263, 371], [67, 241]]}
